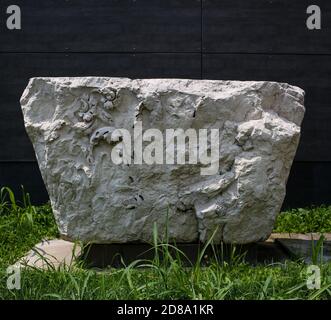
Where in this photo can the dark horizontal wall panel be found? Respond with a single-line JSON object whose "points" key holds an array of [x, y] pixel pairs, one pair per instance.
{"points": [[104, 26], [16, 69], [26, 174], [308, 184], [310, 72], [277, 26]]}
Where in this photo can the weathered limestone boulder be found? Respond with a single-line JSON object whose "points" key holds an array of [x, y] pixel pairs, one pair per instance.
{"points": [[104, 190]]}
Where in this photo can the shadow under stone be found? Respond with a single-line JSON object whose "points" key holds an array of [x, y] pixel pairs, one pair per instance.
{"points": [[121, 255]]}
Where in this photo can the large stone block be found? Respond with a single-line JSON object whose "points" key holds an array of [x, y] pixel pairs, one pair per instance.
{"points": [[105, 190]]}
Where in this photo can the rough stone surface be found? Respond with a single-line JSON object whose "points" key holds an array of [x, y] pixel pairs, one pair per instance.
{"points": [[69, 121]]}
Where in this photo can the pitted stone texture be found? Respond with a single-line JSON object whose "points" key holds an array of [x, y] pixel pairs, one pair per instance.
{"points": [[93, 199]]}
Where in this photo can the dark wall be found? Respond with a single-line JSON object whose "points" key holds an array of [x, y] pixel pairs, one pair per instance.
{"points": [[208, 39]]}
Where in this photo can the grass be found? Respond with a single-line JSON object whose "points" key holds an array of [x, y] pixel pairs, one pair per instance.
{"points": [[22, 225], [314, 219], [217, 281]]}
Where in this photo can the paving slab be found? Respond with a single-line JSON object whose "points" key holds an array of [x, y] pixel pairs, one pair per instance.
{"points": [[54, 253], [299, 236], [306, 249]]}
